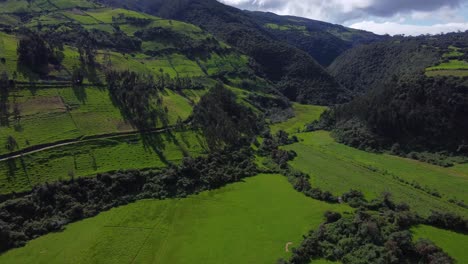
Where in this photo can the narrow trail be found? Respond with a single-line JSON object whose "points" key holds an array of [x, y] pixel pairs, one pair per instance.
{"points": [[39, 148]]}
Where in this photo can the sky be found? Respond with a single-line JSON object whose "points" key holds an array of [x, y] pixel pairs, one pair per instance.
{"points": [[409, 17]]}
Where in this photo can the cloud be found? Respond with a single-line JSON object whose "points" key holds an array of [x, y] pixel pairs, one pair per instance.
{"points": [[345, 10], [393, 28]]}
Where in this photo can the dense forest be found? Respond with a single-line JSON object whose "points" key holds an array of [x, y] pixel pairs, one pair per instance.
{"points": [[367, 67], [404, 116]]}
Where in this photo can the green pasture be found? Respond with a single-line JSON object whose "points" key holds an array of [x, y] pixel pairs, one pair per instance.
{"points": [[338, 168], [304, 114], [453, 52], [246, 222], [451, 65], [90, 157], [452, 243]]}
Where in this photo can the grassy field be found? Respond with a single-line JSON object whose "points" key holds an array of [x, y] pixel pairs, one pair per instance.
{"points": [[95, 156], [53, 114], [338, 168], [247, 222], [453, 52], [452, 243], [304, 114], [454, 67]]}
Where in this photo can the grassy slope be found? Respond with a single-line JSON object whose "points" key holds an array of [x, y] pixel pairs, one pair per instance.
{"points": [[96, 156], [54, 114], [248, 222], [452, 243], [337, 168], [304, 114]]}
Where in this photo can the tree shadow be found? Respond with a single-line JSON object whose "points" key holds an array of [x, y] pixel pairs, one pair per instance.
{"points": [[155, 142], [11, 168], [80, 93]]}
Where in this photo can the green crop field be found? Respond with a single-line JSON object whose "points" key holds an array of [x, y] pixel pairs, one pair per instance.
{"points": [[286, 27], [453, 52], [338, 168], [453, 67], [52, 114], [304, 114], [246, 222], [90, 157], [452, 243]]}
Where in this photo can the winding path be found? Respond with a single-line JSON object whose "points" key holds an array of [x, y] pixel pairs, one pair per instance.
{"points": [[48, 146]]}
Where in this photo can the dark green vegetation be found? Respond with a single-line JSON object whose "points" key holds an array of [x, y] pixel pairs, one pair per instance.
{"points": [[408, 101], [291, 66], [421, 114], [369, 67], [223, 121], [323, 41], [369, 237], [228, 225], [49, 207]]}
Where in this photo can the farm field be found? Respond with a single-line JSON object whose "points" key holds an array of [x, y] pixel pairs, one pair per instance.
{"points": [[53, 114], [457, 68], [338, 168], [452, 243], [304, 114], [245, 222], [90, 157]]}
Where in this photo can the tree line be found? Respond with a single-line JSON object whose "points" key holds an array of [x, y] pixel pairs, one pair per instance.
{"points": [[51, 206]]}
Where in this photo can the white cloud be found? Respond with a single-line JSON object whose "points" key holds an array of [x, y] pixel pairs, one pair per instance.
{"points": [[346, 10], [393, 28]]}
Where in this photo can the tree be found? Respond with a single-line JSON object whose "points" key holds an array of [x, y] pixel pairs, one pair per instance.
{"points": [[33, 53], [77, 76], [224, 121]]}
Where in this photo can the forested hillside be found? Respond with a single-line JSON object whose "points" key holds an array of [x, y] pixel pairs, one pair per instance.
{"points": [[370, 66], [323, 41], [411, 95], [163, 131], [290, 64]]}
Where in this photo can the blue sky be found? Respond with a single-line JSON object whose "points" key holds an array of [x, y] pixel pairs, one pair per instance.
{"points": [[409, 17]]}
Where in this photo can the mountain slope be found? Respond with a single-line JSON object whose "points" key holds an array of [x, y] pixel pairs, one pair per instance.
{"points": [[296, 73], [323, 41], [369, 66], [412, 95]]}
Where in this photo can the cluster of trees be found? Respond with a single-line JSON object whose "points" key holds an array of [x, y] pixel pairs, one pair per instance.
{"points": [[414, 114], [5, 87], [138, 98], [51, 206], [367, 237], [275, 108], [35, 53], [223, 120]]}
